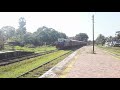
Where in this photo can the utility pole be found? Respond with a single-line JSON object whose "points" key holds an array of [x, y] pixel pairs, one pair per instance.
{"points": [[93, 32]]}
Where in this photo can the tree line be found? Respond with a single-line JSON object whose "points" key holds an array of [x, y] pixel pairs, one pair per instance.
{"points": [[101, 39], [42, 36]]}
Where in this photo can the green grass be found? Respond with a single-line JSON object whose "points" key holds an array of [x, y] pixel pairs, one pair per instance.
{"points": [[16, 69], [37, 49], [113, 50], [38, 72]]}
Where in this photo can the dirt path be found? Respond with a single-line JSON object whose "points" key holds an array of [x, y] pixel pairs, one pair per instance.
{"points": [[88, 65]]}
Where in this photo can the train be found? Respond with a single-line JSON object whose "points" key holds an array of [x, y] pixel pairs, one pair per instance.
{"points": [[69, 43]]}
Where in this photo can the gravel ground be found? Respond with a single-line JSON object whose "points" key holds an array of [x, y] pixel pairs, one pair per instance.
{"points": [[88, 65]]}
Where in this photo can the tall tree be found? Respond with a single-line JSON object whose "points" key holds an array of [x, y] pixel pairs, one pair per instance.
{"points": [[22, 29], [62, 35], [100, 39], [82, 37], [47, 35]]}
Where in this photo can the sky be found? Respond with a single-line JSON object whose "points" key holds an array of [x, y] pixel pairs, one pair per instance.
{"points": [[70, 23]]}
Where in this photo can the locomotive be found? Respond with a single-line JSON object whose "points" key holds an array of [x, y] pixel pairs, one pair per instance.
{"points": [[68, 43]]}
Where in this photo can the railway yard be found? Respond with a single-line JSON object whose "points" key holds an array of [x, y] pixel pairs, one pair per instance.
{"points": [[85, 64], [32, 65], [32, 62], [65, 49], [68, 63]]}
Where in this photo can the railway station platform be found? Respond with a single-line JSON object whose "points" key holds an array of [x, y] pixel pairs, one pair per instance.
{"points": [[84, 64]]}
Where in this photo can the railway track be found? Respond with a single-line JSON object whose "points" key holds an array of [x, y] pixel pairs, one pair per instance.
{"points": [[21, 58], [22, 75]]}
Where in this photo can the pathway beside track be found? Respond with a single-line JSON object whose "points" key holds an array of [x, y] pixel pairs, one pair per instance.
{"points": [[87, 65]]}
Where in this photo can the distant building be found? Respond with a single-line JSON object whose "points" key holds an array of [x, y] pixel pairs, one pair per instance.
{"points": [[114, 43]]}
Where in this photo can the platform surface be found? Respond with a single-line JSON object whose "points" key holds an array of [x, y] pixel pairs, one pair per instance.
{"points": [[84, 64]]}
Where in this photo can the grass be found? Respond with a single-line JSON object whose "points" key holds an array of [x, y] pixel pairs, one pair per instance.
{"points": [[38, 72], [36, 49], [113, 50], [16, 69]]}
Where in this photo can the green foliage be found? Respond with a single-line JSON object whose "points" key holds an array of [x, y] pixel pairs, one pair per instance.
{"points": [[7, 32], [47, 35], [100, 39], [42, 36], [22, 29], [117, 34], [82, 37]]}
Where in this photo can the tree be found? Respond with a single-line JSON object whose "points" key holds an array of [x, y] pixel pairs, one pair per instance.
{"points": [[28, 38], [100, 39], [109, 39], [117, 34], [62, 35], [8, 32], [22, 29], [1, 40], [47, 35], [82, 37]]}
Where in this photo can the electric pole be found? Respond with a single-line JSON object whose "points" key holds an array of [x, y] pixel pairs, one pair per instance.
{"points": [[93, 32]]}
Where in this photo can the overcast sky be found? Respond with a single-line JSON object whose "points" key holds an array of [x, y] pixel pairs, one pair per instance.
{"points": [[70, 23]]}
